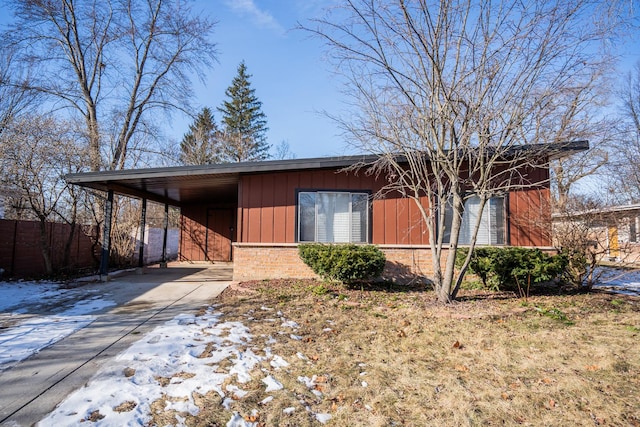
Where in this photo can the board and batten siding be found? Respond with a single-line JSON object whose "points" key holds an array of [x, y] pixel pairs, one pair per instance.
{"points": [[267, 207], [206, 232]]}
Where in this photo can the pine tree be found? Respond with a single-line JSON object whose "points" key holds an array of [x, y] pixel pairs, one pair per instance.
{"points": [[201, 145], [245, 124]]}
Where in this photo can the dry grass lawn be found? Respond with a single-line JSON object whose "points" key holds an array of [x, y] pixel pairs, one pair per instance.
{"points": [[396, 357]]}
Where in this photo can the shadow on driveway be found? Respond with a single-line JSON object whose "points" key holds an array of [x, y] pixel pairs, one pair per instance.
{"points": [[32, 388]]}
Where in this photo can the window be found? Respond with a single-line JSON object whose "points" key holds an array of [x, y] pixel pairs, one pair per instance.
{"points": [[333, 217], [492, 222]]}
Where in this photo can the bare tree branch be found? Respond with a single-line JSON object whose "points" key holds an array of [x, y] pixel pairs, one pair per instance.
{"points": [[446, 92], [115, 58]]}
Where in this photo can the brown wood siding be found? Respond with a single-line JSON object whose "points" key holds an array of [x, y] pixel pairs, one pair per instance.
{"points": [[266, 211], [268, 207], [530, 217], [205, 232], [193, 233]]}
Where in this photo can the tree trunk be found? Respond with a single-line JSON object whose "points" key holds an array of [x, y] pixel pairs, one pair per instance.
{"points": [[45, 247], [67, 246]]}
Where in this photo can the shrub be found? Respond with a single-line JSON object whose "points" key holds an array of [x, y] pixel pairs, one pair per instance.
{"points": [[347, 263], [513, 268]]}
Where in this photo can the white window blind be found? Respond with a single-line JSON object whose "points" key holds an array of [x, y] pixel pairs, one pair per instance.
{"points": [[492, 227], [333, 217]]}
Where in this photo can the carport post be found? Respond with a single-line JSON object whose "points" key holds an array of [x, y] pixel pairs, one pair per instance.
{"points": [[106, 237], [163, 264], [143, 224]]}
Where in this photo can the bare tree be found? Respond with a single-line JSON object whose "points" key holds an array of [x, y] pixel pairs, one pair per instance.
{"points": [[625, 171], [36, 153], [448, 91], [14, 99], [577, 113], [282, 151], [112, 58]]}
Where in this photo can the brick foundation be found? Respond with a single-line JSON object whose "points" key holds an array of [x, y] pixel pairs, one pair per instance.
{"points": [[279, 261], [272, 261]]}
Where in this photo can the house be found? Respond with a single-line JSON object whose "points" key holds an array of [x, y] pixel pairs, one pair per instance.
{"points": [[613, 231], [255, 214]]}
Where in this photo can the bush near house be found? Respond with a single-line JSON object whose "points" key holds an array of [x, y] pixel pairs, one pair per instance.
{"points": [[513, 269], [347, 263]]}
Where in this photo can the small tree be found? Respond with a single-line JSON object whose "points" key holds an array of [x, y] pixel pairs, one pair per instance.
{"points": [[244, 123], [201, 145]]}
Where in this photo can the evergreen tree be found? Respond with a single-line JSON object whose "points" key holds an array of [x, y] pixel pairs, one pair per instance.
{"points": [[201, 145], [245, 124]]}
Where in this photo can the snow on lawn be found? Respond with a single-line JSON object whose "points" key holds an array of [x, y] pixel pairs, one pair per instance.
{"points": [[175, 360], [28, 334], [618, 280]]}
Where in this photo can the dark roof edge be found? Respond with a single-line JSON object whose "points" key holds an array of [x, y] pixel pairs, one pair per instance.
{"points": [[223, 169], [554, 150]]}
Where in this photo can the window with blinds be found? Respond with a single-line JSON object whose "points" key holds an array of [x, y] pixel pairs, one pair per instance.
{"points": [[333, 217], [492, 222]]}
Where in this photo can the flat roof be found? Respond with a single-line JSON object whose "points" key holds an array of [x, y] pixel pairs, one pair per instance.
{"points": [[178, 185]]}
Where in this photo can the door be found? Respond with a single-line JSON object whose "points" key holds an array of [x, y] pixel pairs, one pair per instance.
{"points": [[219, 233], [614, 246]]}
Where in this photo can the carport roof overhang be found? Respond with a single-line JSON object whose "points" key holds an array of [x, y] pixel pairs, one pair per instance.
{"points": [[180, 185]]}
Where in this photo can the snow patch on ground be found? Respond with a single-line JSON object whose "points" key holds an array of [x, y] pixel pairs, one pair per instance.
{"points": [[174, 361], [29, 333], [171, 361], [618, 280], [16, 294]]}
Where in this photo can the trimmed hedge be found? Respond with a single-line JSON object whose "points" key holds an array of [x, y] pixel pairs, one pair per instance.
{"points": [[347, 263], [512, 268]]}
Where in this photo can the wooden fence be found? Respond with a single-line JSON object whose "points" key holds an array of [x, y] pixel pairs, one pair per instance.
{"points": [[21, 253]]}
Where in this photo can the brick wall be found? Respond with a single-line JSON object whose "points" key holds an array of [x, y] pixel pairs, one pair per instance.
{"points": [[263, 261], [257, 262]]}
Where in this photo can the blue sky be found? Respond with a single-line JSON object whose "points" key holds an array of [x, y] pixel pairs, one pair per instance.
{"points": [[288, 72]]}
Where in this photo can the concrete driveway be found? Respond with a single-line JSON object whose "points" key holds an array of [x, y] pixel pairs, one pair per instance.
{"points": [[32, 388]]}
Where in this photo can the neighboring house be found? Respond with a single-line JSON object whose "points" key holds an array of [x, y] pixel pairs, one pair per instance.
{"points": [[255, 214], [153, 240], [614, 231]]}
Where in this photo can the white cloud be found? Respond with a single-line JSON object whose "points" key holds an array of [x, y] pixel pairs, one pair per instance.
{"points": [[261, 18]]}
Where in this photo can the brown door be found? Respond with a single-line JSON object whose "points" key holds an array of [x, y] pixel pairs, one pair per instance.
{"points": [[219, 229]]}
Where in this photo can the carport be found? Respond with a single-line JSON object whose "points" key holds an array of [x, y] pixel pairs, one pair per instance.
{"points": [[209, 197], [190, 188]]}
